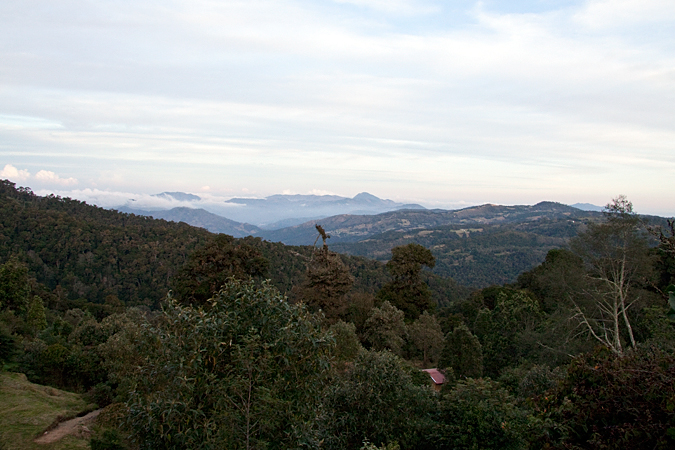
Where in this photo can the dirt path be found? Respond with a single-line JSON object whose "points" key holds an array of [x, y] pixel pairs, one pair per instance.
{"points": [[76, 426]]}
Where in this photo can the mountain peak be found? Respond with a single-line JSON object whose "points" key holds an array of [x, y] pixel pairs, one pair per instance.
{"points": [[366, 196]]}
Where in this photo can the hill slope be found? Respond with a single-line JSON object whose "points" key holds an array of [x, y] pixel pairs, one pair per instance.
{"points": [[353, 228], [198, 217], [27, 409]]}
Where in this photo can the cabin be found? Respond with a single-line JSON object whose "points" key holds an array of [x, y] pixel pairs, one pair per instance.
{"points": [[437, 377]]}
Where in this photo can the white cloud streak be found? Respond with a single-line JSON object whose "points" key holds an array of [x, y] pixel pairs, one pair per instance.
{"points": [[402, 98]]}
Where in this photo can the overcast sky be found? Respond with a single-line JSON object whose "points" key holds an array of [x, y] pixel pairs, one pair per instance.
{"points": [[445, 103]]}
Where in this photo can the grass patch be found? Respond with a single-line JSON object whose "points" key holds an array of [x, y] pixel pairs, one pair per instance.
{"points": [[27, 410]]}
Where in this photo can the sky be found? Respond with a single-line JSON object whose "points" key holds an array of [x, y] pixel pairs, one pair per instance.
{"points": [[443, 103]]}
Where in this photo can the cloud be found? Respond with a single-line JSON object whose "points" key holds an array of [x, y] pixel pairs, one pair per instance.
{"points": [[402, 7], [119, 199], [345, 96], [621, 14], [12, 173], [49, 177]]}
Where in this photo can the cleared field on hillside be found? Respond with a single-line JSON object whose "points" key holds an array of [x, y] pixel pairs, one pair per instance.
{"points": [[27, 409]]}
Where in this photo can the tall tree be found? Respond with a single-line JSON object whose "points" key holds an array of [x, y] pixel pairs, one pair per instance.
{"points": [[385, 328], [427, 335], [211, 266], [616, 256], [327, 281], [14, 285], [462, 351], [407, 291]]}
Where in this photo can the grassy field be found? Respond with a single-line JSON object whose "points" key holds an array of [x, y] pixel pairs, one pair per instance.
{"points": [[27, 409]]}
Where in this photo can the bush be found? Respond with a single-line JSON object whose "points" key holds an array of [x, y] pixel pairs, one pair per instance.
{"points": [[606, 401], [480, 414], [377, 400], [244, 371], [110, 440]]}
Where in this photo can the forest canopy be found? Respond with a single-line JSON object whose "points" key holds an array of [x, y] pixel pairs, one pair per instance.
{"points": [[195, 340]]}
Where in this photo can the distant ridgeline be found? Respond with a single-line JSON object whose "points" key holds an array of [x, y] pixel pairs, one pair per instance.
{"points": [[478, 246], [80, 254]]}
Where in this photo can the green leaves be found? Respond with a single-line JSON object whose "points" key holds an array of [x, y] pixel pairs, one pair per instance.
{"points": [[407, 291], [671, 302], [244, 372]]}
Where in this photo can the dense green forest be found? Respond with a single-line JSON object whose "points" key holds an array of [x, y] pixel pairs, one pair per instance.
{"points": [[194, 340]]}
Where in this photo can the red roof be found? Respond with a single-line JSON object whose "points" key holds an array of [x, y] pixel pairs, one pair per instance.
{"points": [[435, 375]]}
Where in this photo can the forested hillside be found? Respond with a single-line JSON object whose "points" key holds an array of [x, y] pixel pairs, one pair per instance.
{"points": [[80, 253], [477, 255], [177, 334]]}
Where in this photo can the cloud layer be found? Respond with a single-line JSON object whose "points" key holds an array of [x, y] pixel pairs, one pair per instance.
{"points": [[412, 100]]}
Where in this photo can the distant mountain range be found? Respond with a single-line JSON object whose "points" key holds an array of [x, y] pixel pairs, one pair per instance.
{"points": [[198, 217], [353, 228], [476, 246], [250, 215], [278, 211], [587, 207], [362, 223]]}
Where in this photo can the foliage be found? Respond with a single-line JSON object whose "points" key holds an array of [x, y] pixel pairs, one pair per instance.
{"points": [[242, 373], [427, 336], [557, 280], [671, 302], [327, 281], [81, 253], [617, 259], [506, 332], [209, 268], [347, 344], [14, 286], [479, 414], [35, 316], [8, 345], [109, 440], [462, 352], [370, 446], [407, 291], [359, 308], [377, 400], [476, 254], [665, 263], [539, 379], [606, 401], [385, 328]]}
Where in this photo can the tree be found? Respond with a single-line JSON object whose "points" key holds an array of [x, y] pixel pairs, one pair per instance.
{"points": [[407, 291], [347, 344], [244, 373], [617, 260], [376, 399], [666, 253], [608, 402], [462, 351], [480, 414], [556, 280], [385, 328], [427, 336], [35, 317], [14, 286], [327, 281], [506, 333], [210, 267]]}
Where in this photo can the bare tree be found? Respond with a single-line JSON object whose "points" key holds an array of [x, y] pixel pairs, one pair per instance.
{"points": [[617, 260]]}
